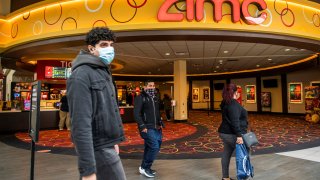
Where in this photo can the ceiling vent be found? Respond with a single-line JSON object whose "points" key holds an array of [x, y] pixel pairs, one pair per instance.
{"points": [[181, 53], [232, 60]]}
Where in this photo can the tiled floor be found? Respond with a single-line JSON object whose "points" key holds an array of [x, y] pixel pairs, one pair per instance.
{"points": [[311, 154], [15, 165]]}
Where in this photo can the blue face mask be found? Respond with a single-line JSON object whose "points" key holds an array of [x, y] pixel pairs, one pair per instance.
{"points": [[106, 54]]}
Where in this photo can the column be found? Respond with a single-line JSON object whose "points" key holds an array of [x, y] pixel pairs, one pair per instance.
{"points": [[180, 90], [5, 7]]}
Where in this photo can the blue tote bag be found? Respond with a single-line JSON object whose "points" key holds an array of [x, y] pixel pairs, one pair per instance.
{"points": [[244, 167]]}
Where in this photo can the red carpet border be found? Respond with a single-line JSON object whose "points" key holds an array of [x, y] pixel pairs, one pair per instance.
{"points": [[196, 139]]}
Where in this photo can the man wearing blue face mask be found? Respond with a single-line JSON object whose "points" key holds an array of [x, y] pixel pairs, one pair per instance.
{"points": [[147, 115], [96, 125]]}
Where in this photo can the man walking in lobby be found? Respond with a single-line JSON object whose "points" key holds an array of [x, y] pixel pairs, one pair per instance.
{"points": [[147, 115], [96, 126]]}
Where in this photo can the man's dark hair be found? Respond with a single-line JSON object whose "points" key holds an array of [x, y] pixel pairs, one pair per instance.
{"points": [[148, 81], [97, 34]]}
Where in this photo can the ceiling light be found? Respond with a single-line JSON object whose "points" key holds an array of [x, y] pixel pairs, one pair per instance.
{"points": [[258, 65], [287, 49], [167, 54], [221, 60], [269, 59], [217, 67], [225, 52], [215, 71]]}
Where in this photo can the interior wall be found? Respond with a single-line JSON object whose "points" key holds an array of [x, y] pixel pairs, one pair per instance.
{"points": [[201, 85], [243, 82], [305, 76], [276, 95]]}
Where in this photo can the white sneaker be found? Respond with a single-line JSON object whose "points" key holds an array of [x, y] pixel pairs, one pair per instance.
{"points": [[141, 170]]}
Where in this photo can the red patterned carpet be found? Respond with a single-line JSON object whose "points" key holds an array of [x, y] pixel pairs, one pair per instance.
{"points": [[196, 139]]}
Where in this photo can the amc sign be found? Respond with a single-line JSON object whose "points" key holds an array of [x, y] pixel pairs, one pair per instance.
{"points": [[194, 10]]}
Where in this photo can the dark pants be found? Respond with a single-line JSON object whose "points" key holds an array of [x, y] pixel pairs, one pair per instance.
{"points": [[168, 113], [152, 144], [229, 145], [108, 165]]}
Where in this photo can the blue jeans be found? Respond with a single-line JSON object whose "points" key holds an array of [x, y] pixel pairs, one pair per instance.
{"points": [[152, 144]]}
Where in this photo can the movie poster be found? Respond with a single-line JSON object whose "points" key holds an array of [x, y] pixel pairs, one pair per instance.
{"points": [[206, 94], [295, 92], [251, 93], [266, 99], [195, 95], [239, 98], [312, 103]]}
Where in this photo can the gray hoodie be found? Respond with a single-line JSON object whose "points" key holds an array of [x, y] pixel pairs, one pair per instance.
{"points": [[94, 112]]}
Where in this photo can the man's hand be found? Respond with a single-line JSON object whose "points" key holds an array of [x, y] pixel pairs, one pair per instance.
{"points": [[90, 177], [145, 130], [116, 147]]}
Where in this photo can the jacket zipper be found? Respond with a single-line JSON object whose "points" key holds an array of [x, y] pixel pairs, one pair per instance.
{"points": [[154, 112]]}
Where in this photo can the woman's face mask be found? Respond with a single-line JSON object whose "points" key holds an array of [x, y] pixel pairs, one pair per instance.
{"points": [[106, 54]]}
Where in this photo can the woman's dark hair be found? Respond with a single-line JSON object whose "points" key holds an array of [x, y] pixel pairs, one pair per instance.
{"points": [[228, 92], [97, 34]]}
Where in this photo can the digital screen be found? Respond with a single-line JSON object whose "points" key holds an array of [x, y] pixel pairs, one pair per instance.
{"points": [[27, 105], [35, 111], [55, 72]]}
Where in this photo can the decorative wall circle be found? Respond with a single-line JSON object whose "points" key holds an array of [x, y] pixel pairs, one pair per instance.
{"points": [[25, 18], [105, 24], [305, 17], [135, 6], [44, 16], [71, 18], [269, 15], [93, 10], [179, 9], [274, 5], [282, 14], [13, 35], [122, 21], [313, 19], [41, 27]]}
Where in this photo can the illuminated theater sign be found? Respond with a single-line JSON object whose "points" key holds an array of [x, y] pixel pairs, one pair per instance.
{"points": [[197, 9]]}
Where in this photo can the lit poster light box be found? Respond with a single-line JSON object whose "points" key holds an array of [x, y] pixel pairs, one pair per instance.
{"points": [[57, 72]]}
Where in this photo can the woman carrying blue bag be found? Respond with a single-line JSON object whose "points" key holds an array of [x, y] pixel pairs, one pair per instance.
{"points": [[234, 124]]}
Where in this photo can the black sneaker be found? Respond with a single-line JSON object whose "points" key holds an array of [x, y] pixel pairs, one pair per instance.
{"points": [[154, 172], [148, 173], [141, 170]]}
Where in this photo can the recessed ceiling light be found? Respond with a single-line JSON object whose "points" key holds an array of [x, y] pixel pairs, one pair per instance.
{"points": [[287, 49], [269, 59], [149, 72], [220, 60], [258, 65], [217, 67], [215, 71], [225, 52], [167, 54]]}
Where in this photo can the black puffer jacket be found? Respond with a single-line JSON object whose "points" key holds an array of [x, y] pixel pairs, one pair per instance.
{"points": [[147, 111], [94, 112], [234, 118]]}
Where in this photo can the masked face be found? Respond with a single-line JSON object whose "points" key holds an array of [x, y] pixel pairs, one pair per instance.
{"points": [[150, 89], [104, 50], [106, 54]]}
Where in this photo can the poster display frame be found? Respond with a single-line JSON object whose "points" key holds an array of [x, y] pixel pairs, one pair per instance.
{"points": [[300, 93], [195, 95], [251, 101]]}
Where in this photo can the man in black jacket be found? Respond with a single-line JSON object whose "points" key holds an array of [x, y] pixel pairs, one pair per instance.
{"points": [[96, 125], [147, 115]]}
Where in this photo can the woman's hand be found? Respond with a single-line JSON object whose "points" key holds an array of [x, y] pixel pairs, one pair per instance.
{"points": [[239, 140]]}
